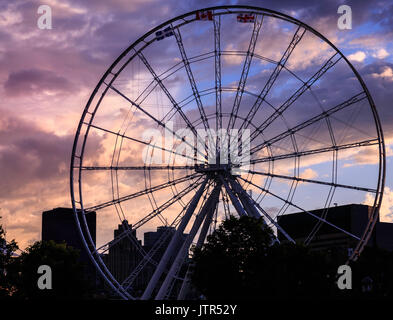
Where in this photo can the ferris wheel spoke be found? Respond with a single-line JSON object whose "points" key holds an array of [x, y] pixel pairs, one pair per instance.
{"points": [[333, 184], [123, 136], [131, 168], [148, 258], [297, 37], [141, 193], [148, 217], [299, 92], [332, 148], [246, 68], [245, 201], [202, 236], [235, 202], [175, 241], [217, 69], [182, 254], [205, 214], [160, 123], [327, 202], [191, 78], [170, 97], [168, 203], [354, 99], [303, 210], [271, 220], [193, 84], [105, 247], [167, 74]]}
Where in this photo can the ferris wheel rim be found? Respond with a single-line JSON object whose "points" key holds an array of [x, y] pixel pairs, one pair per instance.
{"points": [[82, 223]]}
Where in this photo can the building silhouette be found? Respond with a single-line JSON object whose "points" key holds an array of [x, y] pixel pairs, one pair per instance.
{"points": [[126, 252], [158, 241], [59, 225], [164, 235], [352, 218]]}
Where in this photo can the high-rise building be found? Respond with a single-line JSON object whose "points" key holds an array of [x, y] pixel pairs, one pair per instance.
{"points": [[124, 254], [351, 218], [163, 235], [59, 225]]}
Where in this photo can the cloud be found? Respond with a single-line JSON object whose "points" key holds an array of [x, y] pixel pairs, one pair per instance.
{"points": [[9, 17], [358, 56], [232, 59], [387, 74], [381, 54], [32, 155], [386, 211], [47, 77], [308, 174], [35, 173], [35, 81]]}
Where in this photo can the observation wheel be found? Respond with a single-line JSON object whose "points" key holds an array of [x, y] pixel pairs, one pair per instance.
{"points": [[230, 110]]}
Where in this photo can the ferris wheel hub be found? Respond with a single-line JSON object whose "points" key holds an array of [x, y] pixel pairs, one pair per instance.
{"points": [[213, 168]]}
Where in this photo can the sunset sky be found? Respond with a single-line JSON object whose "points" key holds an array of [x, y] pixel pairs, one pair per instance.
{"points": [[47, 76]]}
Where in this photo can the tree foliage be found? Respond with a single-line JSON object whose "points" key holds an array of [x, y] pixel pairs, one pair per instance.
{"points": [[68, 280], [373, 274], [7, 250], [240, 260]]}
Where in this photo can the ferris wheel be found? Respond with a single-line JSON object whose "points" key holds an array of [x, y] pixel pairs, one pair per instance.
{"points": [[230, 110]]}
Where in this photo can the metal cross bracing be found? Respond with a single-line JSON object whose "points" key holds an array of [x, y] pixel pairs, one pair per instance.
{"points": [[173, 243], [205, 213], [354, 99], [281, 176], [329, 64], [127, 283], [328, 202], [139, 193], [217, 70], [273, 77], [178, 106], [193, 84], [202, 236], [243, 204], [159, 122], [171, 99], [209, 205], [244, 74], [280, 110], [276, 72], [149, 216], [205, 191], [303, 210], [364, 143], [146, 143]]}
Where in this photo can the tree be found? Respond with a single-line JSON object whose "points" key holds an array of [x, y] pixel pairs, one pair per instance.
{"points": [[7, 250], [373, 274], [241, 260], [68, 280]]}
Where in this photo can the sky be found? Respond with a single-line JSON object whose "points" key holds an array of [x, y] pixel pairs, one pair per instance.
{"points": [[47, 76]]}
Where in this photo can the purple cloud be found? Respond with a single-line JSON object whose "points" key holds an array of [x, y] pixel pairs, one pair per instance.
{"points": [[35, 81]]}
